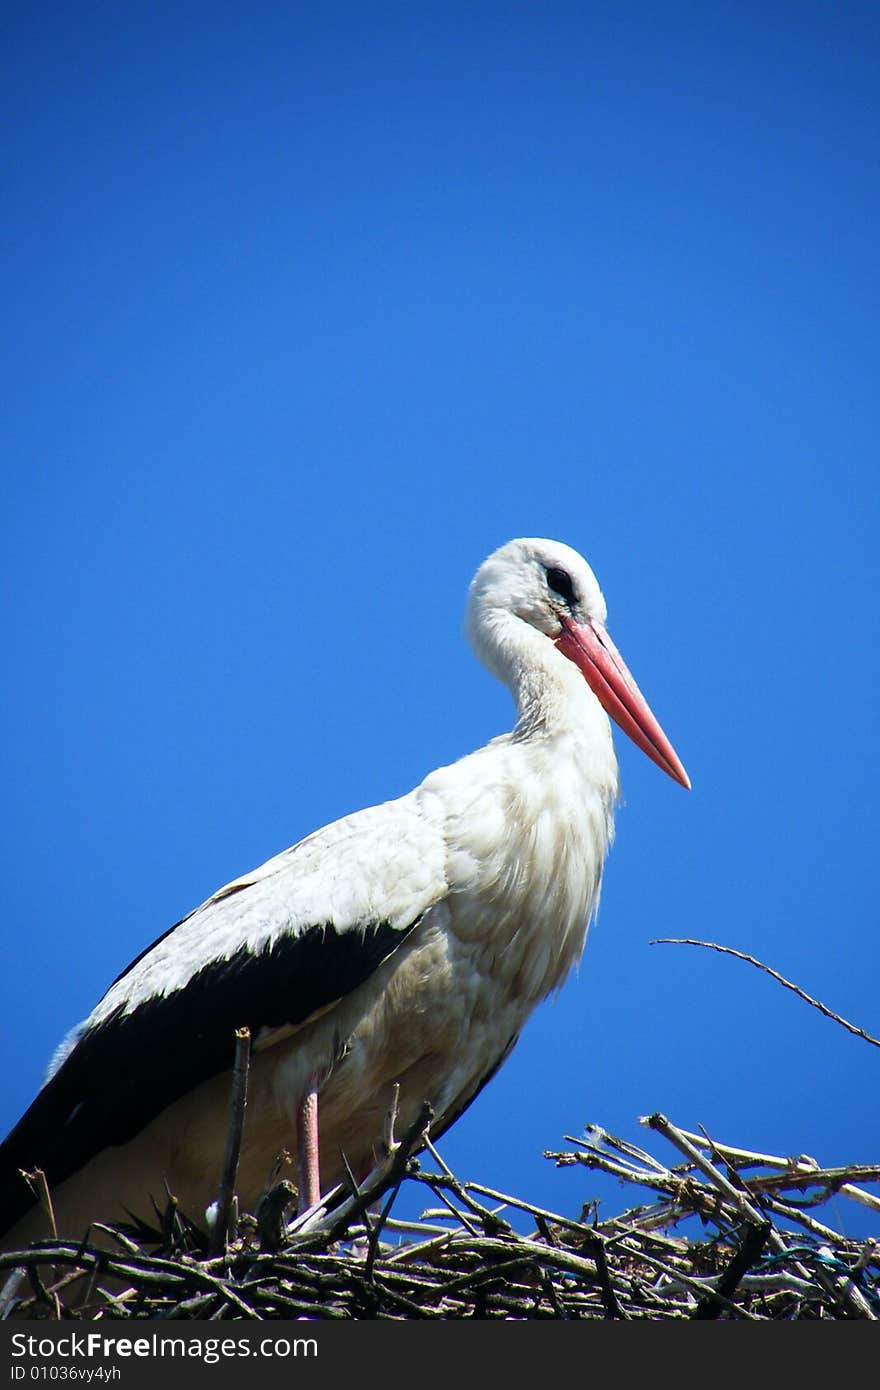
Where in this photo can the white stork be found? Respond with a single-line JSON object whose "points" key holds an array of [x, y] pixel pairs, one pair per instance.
{"points": [[405, 944]]}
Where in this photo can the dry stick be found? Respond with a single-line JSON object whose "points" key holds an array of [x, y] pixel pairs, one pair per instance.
{"points": [[129, 1246], [742, 1157], [374, 1234], [794, 1173], [809, 1223], [237, 1105], [525, 1248], [757, 1185], [735, 1195], [596, 1136], [39, 1288], [745, 1257], [750, 960], [551, 1293], [9, 1293], [36, 1181], [433, 1180], [842, 1289], [491, 1222], [676, 1183], [528, 1207], [84, 1257], [588, 1158], [418, 1228], [405, 1254], [830, 1179], [693, 1285], [499, 1271], [40, 1188], [613, 1307]]}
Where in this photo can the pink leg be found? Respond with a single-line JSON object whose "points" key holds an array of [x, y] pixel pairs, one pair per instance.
{"points": [[307, 1147]]}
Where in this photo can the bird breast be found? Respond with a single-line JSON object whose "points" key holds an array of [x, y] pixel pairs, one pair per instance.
{"points": [[526, 829]]}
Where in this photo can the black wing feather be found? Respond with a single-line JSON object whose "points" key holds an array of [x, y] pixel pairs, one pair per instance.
{"points": [[123, 1073]]}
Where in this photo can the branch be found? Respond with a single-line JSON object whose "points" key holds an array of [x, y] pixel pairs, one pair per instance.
{"points": [[741, 955], [237, 1105]]}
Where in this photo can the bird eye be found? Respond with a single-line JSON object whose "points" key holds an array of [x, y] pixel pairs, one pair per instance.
{"points": [[560, 582]]}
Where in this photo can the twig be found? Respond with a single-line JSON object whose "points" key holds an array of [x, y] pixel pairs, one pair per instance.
{"points": [[520, 1205], [36, 1181], [492, 1223], [750, 960], [800, 1218], [596, 1247], [748, 1253], [733, 1194], [375, 1232], [237, 1106], [796, 1172]]}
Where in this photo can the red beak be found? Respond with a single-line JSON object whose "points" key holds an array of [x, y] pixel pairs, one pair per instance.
{"points": [[604, 669]]}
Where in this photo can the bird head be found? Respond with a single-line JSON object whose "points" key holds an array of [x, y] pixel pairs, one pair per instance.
{"points": [[531, 589]]}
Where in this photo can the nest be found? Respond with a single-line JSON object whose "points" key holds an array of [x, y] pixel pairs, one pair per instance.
{"points": [[729, 1233]]}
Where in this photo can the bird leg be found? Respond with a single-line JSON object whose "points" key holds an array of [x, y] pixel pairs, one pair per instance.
{"points": [[307, 1147]]}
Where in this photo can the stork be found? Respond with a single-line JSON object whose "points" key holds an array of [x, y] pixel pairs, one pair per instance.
{"points": [[401, 947]]}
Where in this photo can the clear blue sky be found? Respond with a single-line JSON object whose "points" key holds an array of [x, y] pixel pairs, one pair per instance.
{"points": [[307, 308]]}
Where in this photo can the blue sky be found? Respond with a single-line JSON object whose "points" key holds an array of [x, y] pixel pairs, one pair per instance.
{"points": [[308, 308]]}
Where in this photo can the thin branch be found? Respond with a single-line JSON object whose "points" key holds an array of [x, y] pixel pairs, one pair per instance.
{"points": [[780, 979], [237, 1106], [746, 1256], [614, 1309], [734, 1195], [38, 1185]]}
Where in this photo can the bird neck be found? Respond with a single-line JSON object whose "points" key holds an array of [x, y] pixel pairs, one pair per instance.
{"points": [[552, 698], [553, 701]]}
